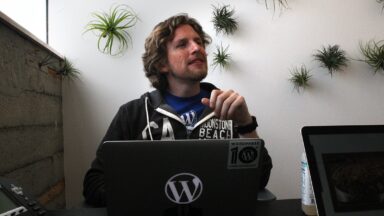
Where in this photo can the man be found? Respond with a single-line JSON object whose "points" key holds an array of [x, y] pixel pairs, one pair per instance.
{"points": [[181, 107]]}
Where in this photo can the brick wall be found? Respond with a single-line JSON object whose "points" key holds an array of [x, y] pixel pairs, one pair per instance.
{"points": [[31, 129]]}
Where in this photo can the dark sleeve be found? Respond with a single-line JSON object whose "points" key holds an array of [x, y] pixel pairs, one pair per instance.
{"points": [[94, 180], [266, 165], [266, 168]]}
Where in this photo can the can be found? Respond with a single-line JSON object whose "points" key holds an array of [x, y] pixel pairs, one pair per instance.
{"points": [[308, 204]]}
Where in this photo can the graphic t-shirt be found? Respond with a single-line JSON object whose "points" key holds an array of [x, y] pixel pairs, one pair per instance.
{"points": [[188, 108]]}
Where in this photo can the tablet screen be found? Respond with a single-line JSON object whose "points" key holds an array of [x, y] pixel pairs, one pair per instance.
{"points": [[347, 169]]}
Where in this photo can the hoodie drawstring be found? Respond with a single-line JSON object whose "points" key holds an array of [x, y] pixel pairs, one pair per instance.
{"points": [[146, 112]]}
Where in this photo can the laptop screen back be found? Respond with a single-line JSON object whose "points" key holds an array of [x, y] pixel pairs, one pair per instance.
{"points": [[347, 169], [182, 177]]}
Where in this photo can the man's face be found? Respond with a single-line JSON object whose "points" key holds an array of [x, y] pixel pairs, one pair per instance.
{"points": [[187, 59]]}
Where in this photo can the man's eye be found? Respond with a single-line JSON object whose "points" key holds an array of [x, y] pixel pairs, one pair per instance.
{"points": [[199, 42], [181, 45]]}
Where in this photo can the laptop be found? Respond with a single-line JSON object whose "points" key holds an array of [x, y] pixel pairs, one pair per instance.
{"points": [[182, 177], [347, 168]]}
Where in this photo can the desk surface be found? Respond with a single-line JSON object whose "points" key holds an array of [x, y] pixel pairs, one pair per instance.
{"points": [[291, 207]]}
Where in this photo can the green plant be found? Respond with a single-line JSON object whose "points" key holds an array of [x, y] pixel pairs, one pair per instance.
{"points": [[332, 58], [300, 78], [68, 71], [223, 19], [374, 54], [221, 57], [113, 26], [381, 2], [59, 67], [47, 60], [282, 4]]}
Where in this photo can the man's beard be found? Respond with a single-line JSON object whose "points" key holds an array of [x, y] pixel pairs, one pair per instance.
{"points": [[190, 77]]}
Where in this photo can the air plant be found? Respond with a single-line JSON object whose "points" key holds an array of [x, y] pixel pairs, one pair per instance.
{"points": [[381, 2], [374, 54], [59, 67], [113, 26], [223, 19], [67, 70], [47, 60], [333, 58], [282, 4], [221, 57], [300, 78]]}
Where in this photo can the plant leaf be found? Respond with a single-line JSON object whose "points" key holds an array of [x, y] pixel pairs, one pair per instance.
{"points": [[373, 52], [300, 78], [111, 26], [221, 57], [332, 58], [223, 19]]}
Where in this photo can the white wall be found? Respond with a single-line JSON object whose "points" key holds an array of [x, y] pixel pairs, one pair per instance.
{"points": [[264, 49], [30, 14]]}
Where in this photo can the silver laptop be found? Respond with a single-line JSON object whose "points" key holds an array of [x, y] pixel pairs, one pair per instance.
{"points": [[347, 169], [182, 177]]}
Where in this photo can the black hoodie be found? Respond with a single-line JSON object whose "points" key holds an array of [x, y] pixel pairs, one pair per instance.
{"points": [[150, 118]]}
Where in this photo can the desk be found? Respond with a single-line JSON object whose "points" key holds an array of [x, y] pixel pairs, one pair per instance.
{"points": [[290, 207]]}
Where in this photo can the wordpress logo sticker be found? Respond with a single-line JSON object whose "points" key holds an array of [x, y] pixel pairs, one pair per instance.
{"points": [[183, 188], [248, 155], [243, 154]]}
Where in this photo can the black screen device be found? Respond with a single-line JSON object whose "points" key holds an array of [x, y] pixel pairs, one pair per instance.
{"points": [[182, 177], [346, 163]]}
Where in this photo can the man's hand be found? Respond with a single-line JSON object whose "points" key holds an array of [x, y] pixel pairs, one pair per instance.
{"points": [[229, 105]]}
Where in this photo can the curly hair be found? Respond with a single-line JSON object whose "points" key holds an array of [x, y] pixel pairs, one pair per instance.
{"points": [[155, 54]]}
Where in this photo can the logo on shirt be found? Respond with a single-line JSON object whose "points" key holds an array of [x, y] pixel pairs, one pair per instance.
{"points": [[152, 129], [189, 119], [183, 188], [216, 129]]}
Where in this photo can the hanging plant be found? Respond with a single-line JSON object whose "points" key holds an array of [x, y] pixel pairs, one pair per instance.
{"points": [[111, 27], [221, 57], [300, 78], [282, 4], [59, 68], [374, 54], [381, 2], [68, 71], [332, 58], [47, 60], [223, 19]]}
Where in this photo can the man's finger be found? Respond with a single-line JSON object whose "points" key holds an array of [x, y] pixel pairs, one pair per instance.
{"points": [[205, 101], [213, 98], [227, 105], [236, 105]]}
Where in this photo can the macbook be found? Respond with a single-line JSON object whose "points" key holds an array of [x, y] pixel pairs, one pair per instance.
{"points": [[182, 177]]}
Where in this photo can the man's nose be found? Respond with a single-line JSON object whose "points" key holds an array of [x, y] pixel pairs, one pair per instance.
{"points": [[195, 47]]}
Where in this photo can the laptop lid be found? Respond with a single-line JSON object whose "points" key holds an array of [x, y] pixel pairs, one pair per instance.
{"points": [[347, 168], [182, 177]]}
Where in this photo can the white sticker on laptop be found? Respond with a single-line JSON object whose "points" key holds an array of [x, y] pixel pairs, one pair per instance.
{"points": [[183, 188], [243, 154]]}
